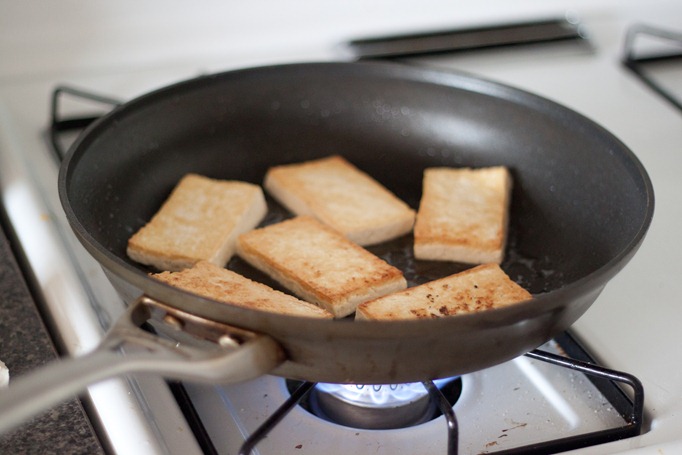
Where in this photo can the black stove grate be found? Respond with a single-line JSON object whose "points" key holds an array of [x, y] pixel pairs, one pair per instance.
{"points": [[61, 125], [640, 64]]}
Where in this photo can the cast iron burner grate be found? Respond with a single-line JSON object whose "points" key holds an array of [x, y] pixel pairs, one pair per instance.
{"points": [[639, 64], [604, 379]]}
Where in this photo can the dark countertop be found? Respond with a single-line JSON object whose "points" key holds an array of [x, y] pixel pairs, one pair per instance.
{"points": [[25, 343]]}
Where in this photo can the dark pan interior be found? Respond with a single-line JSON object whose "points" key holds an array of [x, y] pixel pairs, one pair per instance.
{"points": [[575, 204]]}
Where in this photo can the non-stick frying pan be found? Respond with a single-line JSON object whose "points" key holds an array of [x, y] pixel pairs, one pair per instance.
{"points": [[581, 206]]}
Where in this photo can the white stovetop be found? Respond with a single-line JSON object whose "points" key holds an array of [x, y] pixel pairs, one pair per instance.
{"points": [[633, 325]]}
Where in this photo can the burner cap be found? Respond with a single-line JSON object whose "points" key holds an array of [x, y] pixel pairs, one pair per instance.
{"points": [[375, 406]]}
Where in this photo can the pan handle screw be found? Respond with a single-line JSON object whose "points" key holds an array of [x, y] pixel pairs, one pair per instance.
{"points": [[228, 341], [173, 321]]}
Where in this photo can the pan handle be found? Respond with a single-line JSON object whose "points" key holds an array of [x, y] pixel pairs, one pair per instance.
{"points": [[184, 347]]}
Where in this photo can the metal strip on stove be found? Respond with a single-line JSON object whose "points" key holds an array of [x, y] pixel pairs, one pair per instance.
{"points": [[80, 301], [554, 30]]}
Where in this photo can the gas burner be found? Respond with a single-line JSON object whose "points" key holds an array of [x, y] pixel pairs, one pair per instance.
{"points": [[377, 407]]}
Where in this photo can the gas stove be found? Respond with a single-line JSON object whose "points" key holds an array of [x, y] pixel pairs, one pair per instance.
{"points": [[522, 403], [532, 404]]}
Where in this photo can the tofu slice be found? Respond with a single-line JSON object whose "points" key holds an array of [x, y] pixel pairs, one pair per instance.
{"points": [[209, 280], [463, 215], [339, 194], [200, 220], [477, 289], [319, 265]]}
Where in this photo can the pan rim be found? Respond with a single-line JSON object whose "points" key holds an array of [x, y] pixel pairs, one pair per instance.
{"points": [[137, 277]]}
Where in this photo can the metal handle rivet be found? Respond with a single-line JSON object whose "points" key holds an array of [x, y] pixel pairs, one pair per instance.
{"points": [[228, 341], [173, 321]]}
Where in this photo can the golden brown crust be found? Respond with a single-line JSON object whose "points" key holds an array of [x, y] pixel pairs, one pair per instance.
{"points": [[200, 220], [217, 283], [463, 215], [319, 264], [342, 196], [477, 289]]}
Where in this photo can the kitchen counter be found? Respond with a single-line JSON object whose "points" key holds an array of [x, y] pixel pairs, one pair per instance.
{"points": [[25, 344]]}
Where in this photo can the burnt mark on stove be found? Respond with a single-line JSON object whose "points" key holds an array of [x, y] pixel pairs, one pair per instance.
{"points": [[517, 425]]}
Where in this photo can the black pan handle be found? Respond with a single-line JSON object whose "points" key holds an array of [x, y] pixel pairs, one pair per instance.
{"points": [[59, 125], [184, 347]]}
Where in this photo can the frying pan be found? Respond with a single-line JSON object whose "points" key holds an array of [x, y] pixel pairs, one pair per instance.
{"points": [[581, 206]]}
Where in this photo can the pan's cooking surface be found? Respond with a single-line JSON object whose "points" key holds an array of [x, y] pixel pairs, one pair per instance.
{"points": [[568, 196], [581, 202]]}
